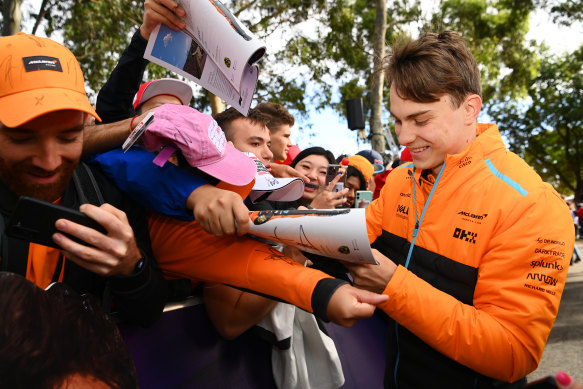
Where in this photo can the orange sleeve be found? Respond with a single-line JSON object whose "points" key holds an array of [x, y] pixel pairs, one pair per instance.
{"points": [[520, 281], [185, 250]]}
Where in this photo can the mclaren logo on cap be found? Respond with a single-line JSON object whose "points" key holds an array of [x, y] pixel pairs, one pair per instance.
{"points": [[41, 63]]}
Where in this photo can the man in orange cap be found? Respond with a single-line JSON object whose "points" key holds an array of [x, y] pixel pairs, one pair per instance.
{"points": [[43, 107]]}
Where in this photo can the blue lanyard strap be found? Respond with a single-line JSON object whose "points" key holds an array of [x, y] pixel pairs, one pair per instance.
{"points": [[418, 221]]}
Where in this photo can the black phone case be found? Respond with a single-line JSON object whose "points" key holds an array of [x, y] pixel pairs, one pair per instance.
{"points": [[331, 173], [34, 220]]}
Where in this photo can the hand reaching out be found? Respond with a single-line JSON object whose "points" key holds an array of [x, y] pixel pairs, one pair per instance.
{"points": [[219, 212], [349, 304]]}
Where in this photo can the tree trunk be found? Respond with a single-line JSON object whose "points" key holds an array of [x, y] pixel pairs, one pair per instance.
{"points": [[217, 105], [376, 90], [11, 17]]}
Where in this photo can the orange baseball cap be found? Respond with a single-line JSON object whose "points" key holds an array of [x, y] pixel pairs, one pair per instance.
{"points": [[363, 165], [39, 76]]}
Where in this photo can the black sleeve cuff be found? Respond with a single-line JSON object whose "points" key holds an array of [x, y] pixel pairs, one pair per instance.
{"points": [[323, 291]]}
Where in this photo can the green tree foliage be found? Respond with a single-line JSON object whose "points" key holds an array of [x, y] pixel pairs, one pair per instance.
{"points": [[325, 55], [495, 31], [547, 127], [96, 32]]}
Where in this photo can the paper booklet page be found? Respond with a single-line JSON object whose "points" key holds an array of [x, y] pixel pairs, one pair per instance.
{"points": [[227, 41], [335, 233], [178, 52]]}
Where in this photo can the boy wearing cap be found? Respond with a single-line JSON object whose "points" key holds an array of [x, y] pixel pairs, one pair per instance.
{"points": [[43, 106]]}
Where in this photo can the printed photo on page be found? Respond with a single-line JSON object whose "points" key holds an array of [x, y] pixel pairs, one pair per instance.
{"points": [[226, 40], [178, 52], [334, 233]]}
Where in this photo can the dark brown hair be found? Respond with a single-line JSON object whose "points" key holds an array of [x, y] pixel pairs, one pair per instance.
{"points": [[225, 118], [48, 336], [277, 114], [431, 66]]}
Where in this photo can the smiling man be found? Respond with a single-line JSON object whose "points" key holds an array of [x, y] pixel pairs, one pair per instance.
{"points": [[457, 231], [43, 107]]}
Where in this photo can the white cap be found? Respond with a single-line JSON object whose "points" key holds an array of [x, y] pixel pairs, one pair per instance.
{"points": [[268, 187]]}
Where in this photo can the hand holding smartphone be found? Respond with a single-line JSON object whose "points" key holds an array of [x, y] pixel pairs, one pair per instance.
{"points": [[362, 198], [332, 171], [34, 220]]}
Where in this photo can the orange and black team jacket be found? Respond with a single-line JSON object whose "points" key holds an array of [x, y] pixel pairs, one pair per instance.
{"points": [[184, 250], [477, 299]]}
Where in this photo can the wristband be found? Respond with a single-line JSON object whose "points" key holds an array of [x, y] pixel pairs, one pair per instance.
{"points": [[132, 123]]}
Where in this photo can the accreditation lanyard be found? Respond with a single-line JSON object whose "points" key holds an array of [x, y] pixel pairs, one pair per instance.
{"points": [[419, 220]]}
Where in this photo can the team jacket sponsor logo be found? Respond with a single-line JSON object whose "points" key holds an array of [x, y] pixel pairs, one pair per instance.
{"points": [[538, 288], [402, 211], [468, 236], [550, 241], [464, 162], [473, 215], [546, 265], [550, 252], [405, 194], [542, 278]]}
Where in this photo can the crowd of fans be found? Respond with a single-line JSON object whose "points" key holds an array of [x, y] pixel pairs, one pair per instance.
{"points": [[480, 272]]}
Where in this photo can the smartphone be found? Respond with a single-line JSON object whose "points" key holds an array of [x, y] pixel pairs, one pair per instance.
{"points": [[34, 220], [331, 172], [547, 382], [362, 195]]}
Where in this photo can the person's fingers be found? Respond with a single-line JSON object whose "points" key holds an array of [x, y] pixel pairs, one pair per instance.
{"points": [[366, 297], [157, 12], [333, 183], [227, 223], [86, 234], [216, 225], [84, 256], [174, 7], [565, 382], [349, 304], [90, 209], [300, 175], [241, 215], [114, 220]]}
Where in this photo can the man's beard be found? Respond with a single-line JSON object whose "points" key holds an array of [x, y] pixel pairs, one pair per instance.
{"points": [[13, 177]]}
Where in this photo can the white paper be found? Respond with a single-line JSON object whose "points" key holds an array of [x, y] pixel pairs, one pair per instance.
{"points": [[178, 52], [334, 233], [227, 41]]}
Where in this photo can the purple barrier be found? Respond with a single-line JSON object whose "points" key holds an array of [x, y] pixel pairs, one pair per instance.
{"points": [[183, 350]]}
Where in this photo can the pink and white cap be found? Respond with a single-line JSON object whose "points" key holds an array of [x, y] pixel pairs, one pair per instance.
{"points": [[163, 86], [201, 141], [268, 187]]}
